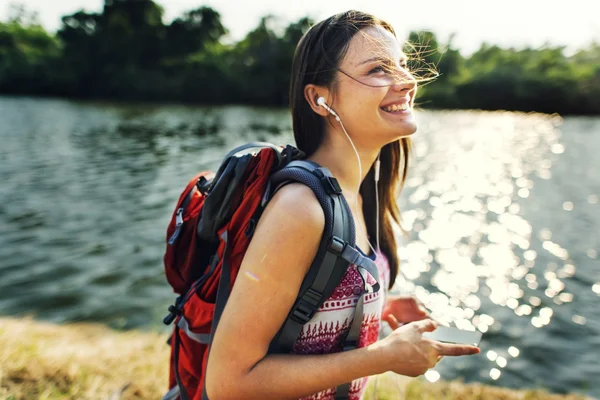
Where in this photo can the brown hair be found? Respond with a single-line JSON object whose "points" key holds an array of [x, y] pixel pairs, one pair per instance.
{"points": [[316, 59]]}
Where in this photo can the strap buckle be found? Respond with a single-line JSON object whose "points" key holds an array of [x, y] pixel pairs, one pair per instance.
{"points": [[302, 313], [174, 311], [203, 185], [288, 154], [331, 185], [307, 306], [337, 246]]}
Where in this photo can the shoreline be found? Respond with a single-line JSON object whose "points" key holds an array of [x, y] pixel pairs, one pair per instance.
{"points": [[41, 360], [101, 101]]}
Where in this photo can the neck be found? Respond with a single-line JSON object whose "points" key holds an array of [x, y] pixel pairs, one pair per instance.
{"points": [[337, 155]]}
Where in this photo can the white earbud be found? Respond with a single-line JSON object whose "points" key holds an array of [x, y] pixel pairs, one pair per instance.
{"points": [[321, 102]]}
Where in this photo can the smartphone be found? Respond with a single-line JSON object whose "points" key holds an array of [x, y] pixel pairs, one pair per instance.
{"points": [[454, 335]]}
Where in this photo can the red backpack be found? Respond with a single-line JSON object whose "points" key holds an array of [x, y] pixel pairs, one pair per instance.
{"points": [[207, 238]]}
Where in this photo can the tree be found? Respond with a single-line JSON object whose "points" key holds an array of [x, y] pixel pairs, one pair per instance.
{"points": [[131, 32], [127, 52], [26, 55], [193, 32], [81, 62]]}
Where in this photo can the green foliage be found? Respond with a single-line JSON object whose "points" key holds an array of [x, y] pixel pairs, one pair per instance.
{"points": [[27, 54], [262, 61], [127, 52], [493, 78]]}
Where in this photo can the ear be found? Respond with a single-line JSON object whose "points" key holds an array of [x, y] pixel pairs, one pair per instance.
{"points": [[311, 93]]}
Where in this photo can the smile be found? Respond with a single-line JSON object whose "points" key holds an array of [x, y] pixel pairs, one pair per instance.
{"points": [[395, 108]]}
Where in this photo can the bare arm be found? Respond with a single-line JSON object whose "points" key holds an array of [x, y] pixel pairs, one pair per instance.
{"points": [[285, 242], [283, 247], [291, 376]]}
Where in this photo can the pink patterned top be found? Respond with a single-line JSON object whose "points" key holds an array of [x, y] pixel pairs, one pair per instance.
{"points": [[324, 332]]}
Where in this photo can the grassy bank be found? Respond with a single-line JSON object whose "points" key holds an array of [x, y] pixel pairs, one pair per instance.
{"points": [[85, 361]]}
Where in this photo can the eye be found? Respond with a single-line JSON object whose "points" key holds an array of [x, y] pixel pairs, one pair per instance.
{"points": [[379, 68]]}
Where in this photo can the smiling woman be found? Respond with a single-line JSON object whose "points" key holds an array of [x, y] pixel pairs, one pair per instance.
{"points": [[351, 100], [356, 64]]}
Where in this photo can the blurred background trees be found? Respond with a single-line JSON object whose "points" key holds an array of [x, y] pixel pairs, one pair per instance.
{"points": [[127, 52]]}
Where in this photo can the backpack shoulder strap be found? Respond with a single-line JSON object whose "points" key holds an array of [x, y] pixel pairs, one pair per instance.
{"points": [[336, 251]]}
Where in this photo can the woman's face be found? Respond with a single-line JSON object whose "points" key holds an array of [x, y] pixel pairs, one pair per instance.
{"points": [[374, 94]]}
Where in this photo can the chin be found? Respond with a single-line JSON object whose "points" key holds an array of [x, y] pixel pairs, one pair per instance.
{"points": [[400, 125], [405, 131]]}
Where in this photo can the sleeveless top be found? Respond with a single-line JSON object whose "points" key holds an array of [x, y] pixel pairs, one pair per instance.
{"points": [[323, 334]]}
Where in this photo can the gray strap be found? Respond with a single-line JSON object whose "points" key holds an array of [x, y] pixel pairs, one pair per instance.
{"points": [[342, 392], [354, 332], [222, 296], [351, 342], [172, 394], [182, 393], [312, 297], [203, 338], [364, 265], [306, 165], [224, 283]]}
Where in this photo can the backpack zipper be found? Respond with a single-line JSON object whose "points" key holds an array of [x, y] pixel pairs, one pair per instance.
{"points": [[179, 214], [178, 224]]}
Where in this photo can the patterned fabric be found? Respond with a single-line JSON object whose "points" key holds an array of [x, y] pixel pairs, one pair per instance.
{"points": [[323, 334]]}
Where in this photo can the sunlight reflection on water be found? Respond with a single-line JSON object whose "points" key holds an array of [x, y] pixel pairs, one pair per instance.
{"points": [[469, 238], [502, 211]]}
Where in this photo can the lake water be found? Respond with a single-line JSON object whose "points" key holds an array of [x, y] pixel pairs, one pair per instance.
{"points": [[502, 208]]}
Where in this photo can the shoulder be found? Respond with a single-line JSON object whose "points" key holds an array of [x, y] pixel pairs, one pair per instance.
{"points": [[289, 230], [295, 206], [280, 253]]}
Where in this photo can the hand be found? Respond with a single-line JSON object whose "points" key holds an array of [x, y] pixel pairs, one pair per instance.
{"points": [[408, 353], [403, 309]]}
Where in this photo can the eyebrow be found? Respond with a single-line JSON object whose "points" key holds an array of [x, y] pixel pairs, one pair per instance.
{"points": [[402, 59]]}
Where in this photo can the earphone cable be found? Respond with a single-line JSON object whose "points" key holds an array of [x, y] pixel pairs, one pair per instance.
{"points": [[358, 188]]}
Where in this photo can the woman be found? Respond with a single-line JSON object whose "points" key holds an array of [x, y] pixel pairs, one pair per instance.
{"points": [[354, 62]]}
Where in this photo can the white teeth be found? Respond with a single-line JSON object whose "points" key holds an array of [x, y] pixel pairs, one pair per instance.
{"points": [[396, 107]]}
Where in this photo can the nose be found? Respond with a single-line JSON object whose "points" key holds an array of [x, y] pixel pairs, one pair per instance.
{"points": [[404, 81]]}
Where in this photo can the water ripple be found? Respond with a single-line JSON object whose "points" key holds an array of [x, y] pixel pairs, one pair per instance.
{"points": [[502, 210]]}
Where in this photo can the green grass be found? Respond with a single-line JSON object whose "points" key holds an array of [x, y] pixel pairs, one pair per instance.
{"points": [[88, 362]]}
